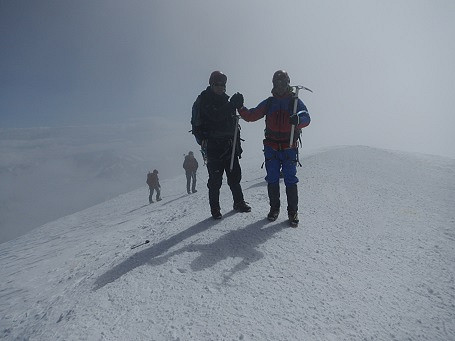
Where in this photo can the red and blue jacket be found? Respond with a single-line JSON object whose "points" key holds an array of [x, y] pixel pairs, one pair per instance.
{"points": [[277, 111]]}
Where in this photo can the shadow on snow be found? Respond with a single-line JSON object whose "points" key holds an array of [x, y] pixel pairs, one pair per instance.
{"points": [[240, 243]]}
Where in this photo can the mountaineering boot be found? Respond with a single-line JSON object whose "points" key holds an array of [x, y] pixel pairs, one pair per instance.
{"points": [[273, 214], [293, 219], [216, 214], [242, 206], [158, 199], [194, 190]]}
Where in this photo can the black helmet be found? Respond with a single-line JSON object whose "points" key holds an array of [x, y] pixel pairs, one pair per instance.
{"points": [[217, 77], [281, 75], [190, 153], [155, 171]]}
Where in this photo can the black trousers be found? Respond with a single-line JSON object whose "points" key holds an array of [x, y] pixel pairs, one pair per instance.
{"points": [[218, 163], [190, 175], [158, 193]]}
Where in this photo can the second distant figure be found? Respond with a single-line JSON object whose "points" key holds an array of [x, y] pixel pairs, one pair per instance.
{"points": [[154, 185], [190, 165]]}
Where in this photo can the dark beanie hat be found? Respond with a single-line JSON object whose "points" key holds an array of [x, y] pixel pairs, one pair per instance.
{"points": [[217, 77]]}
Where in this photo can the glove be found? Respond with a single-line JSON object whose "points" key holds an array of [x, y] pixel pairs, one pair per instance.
{"points": [[237, 100], [294, 119]]}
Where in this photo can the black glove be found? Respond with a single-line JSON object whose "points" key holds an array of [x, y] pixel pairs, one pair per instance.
{"points": [[294, 119], [237, 100]]}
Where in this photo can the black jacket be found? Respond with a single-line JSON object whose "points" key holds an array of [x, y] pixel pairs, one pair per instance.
{"points": [[213, 117]]}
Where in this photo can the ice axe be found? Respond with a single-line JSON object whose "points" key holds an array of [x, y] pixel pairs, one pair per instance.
{"points": [[294, 110], [137, 245], [234, 143]]}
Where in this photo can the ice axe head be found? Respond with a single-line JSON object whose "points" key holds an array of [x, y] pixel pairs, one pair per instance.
{"points": [[299, 87]]}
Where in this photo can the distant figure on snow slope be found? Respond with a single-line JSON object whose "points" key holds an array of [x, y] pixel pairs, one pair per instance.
{"points": [[190, 165], [154, 185]]}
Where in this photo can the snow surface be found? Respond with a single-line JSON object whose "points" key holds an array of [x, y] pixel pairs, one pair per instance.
{"points": [[372, 259]]}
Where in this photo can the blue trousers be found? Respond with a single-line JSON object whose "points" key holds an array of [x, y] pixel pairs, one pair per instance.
{"points": [[284, 161], [277, 161]]}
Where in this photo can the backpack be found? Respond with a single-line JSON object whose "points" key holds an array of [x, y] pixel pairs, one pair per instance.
{"points": [[152, 179]]}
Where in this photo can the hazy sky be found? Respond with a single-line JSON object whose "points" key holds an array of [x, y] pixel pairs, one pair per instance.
{"points": [[382, 72]]}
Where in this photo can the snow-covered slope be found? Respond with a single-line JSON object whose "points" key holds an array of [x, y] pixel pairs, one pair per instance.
{"points": [[48, 173], [373, 259]]}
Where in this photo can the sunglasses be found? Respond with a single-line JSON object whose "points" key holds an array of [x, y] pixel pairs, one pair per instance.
{"points": [[219, 84]]}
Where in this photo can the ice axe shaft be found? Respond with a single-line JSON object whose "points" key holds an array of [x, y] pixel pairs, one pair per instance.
{"points": [[137, 245], [294, 110], [234, 142]]}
